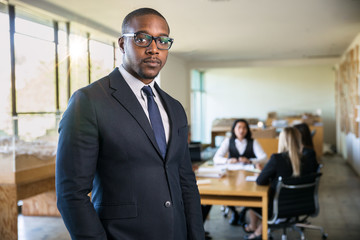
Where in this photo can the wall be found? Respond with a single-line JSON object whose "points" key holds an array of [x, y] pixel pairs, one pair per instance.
{"points": [[255, 91], [174, 79]]}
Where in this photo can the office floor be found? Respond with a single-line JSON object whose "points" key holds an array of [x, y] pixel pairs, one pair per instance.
{"points": [[339, 212]]}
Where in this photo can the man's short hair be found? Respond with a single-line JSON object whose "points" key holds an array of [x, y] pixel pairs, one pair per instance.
{"points": [[138, 13]]}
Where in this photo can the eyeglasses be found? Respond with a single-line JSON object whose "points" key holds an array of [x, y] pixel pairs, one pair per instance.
{"points": [[144, 40]]}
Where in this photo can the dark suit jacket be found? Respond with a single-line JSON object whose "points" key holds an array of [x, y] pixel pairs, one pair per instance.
{"points": [[280, 165], [107, 146]]}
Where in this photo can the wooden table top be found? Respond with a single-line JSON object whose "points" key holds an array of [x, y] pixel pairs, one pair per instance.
{"points": [[233, 184]]}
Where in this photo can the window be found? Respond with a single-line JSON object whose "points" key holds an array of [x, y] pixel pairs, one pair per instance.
{"points": [[35, 70], [118, 56], [5, 80], [35, 74], [35, 114], [102, 59], [197, 115], [78, 62]]}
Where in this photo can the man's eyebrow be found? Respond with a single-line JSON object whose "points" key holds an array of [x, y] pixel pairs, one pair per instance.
{"points": [[144, 31]]}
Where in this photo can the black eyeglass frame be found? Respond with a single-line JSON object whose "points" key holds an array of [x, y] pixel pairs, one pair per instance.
{"points": [[171, 40]]}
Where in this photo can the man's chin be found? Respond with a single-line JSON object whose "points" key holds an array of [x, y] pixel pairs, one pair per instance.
{"points": [[149, 76]]}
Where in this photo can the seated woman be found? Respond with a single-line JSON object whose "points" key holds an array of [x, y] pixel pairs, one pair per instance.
{"points": [[240, 147], [290, 161]]}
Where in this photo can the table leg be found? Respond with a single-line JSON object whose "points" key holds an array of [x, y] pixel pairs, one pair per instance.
{"points": [[265, 217], [8, 212]]}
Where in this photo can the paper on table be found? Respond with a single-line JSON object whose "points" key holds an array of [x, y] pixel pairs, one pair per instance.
{"points": [[216, 168], [203, 181], [251, 178], [211, 172], [241, 166]]}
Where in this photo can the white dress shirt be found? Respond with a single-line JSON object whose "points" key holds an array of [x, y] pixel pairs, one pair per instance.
{"points": [[219, 157], [136, 86]]}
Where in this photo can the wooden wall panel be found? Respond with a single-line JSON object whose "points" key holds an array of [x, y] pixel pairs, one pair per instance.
{"points": [[8, 212], [41, 205], [348, 93]]}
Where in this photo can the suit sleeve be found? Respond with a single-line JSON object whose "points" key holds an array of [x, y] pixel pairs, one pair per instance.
{"points": [[191, 197], [268, 173], [75, 168]]}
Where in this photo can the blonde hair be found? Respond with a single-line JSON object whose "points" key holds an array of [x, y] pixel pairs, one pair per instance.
{"points": [[290, 141]]}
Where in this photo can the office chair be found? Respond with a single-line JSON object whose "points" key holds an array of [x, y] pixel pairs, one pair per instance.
{"points": [[295, 200]]}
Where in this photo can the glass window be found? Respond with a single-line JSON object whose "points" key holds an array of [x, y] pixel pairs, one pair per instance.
{"points": [[79, 62], [36, 145], [102, 59], [34, 29], [197, 92], [37, 126], [5, 79], [118, 56], [35, 74]]}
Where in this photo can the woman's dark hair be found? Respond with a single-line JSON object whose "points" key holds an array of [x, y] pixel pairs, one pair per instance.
{"points": [[306, 137], [248, 134]]}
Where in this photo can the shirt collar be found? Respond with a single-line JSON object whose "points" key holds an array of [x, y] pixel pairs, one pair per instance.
{"points": [[135, 84]]}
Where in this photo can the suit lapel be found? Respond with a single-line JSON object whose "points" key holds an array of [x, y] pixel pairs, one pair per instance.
{"points": [[125, 96]]}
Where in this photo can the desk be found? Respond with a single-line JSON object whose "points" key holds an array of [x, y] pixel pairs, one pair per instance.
{"points": [[234, 190]]}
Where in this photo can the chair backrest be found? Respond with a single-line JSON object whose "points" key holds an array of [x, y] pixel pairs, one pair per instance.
{"points": [[296, 196], [195, 151]]}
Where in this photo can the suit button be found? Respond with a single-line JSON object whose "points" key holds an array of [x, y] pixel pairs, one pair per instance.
{"points": [[167, 204]]}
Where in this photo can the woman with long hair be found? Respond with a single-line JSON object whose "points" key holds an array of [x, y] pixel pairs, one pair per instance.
{"points": [[288, 162], [240, 148]]}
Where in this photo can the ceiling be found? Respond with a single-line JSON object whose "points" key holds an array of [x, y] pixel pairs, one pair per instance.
{"points": [[232, 30]]}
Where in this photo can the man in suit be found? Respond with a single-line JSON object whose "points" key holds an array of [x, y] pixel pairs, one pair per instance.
{"points": [[137, 166]]}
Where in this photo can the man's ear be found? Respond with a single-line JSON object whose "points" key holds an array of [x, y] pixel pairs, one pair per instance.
{"points": [[121, 44]]}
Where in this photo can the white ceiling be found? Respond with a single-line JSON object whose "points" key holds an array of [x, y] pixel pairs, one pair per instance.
{"points": [[232, 30]]}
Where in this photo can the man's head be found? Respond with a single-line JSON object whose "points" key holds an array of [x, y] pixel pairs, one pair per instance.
{"points": [[142, 61]]}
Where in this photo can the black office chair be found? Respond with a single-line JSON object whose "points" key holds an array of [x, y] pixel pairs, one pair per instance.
{"points": [[295, 200], [195, 151]]}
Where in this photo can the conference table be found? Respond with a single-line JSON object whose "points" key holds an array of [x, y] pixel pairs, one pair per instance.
{"points": [[233, 190]]}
